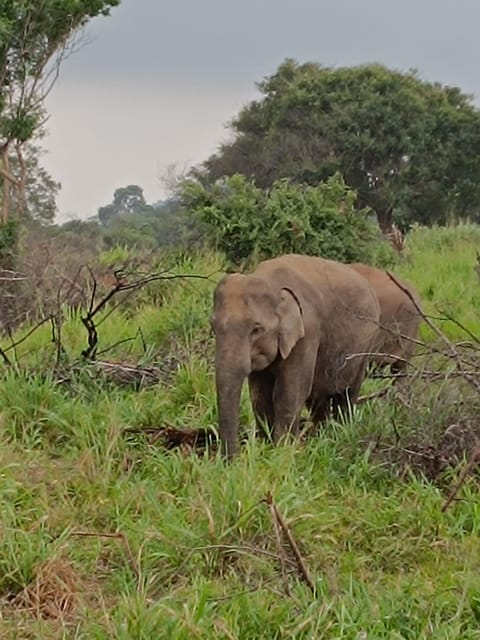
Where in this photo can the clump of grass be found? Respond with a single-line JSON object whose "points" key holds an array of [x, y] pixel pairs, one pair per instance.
{"points": [[441, 263], [52, 592]]}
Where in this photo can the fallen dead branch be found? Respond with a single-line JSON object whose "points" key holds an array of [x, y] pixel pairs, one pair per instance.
{"points": [[281, 551], [8, 275], [124, 286], [171, 437], [467, 368], [123, 373], [447, 316], [15, 343], [375, 395], [280, 523], [377, 354], [5, 358]]}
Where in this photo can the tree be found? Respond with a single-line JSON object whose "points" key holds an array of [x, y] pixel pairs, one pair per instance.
{"points": [[35, 36], [130, 221], [409, 148], [40, 189], [129, 199]]}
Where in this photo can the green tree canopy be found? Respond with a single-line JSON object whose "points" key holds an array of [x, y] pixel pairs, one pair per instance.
{"points": [[130, 221], [129, 199], [35, 36], [410, 149]]}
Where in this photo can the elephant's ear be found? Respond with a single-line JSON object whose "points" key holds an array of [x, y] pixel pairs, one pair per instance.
{"points": [[291, 322]]}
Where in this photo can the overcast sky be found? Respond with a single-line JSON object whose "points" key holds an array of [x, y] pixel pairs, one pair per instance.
{"points": [[160, 80]]}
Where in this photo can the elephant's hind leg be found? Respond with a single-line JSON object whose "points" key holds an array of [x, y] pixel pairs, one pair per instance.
{"points": [[260, 384], [343, 403], [319, 408]]}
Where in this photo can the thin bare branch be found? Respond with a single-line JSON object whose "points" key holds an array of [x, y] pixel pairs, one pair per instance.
{"points": [[475, 458], [15, 343], [5, 358], [121, 286], [450, 347], [278, 519]]}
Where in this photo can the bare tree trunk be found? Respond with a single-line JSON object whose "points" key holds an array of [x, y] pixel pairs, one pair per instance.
{"points": [[9, 181], [21, 182], [6, 184], [9, 291]]}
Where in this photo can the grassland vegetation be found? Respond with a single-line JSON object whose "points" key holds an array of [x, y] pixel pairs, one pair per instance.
{"points": [[105, 533]]}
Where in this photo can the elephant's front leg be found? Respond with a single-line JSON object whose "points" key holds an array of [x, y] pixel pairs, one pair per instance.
{"points": [[260, 384], [293, 386]]}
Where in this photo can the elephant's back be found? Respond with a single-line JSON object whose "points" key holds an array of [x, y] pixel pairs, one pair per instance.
{"points": [[397, 297], [327, 281]]}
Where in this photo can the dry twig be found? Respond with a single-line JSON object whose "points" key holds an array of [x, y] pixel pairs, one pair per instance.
{"points": [[121, 286], [280, 522], [281, 551], [462, 477], [452, 351]]}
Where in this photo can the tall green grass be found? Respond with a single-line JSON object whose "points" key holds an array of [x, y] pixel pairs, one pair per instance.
{"points": [[441, 262], [385, 561]]}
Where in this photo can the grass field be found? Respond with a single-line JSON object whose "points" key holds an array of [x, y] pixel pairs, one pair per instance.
{"points": [[105, 534]]}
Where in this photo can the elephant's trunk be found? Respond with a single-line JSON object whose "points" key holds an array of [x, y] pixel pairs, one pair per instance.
{"points": [[230, 372]]}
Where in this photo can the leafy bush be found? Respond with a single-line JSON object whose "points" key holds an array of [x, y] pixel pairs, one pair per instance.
{"points": [[245, 221]]}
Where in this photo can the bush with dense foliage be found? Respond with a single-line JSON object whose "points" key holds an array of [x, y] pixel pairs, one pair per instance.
{"points": [[247, 222]]}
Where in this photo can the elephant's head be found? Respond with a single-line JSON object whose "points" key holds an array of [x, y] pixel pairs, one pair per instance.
{"points": [[254, 324]]}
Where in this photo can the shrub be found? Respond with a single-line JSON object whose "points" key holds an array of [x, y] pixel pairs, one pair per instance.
{"points": [[246, 222]]}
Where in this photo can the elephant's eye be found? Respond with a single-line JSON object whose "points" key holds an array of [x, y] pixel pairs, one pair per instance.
{"points": [[257, 331]]}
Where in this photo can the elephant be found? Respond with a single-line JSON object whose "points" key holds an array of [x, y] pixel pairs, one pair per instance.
{"points": [[293, 327], [400, 318]]}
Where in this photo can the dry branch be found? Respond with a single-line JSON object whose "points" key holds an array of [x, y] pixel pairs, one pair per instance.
{"points": [[453, 352], [281, 551], [374, 395], [5, 358], [16, 343], [280, 522], [173, 437], [122, 285], [475, 458]]}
